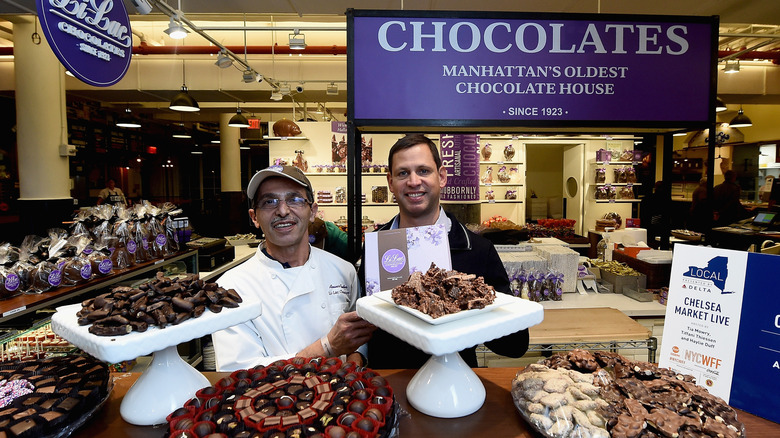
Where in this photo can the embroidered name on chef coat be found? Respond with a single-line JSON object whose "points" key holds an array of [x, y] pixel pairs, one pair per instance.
{"points": [[335, 289]]}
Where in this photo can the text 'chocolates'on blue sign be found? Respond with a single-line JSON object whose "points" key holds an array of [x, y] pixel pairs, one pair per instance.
{"points": [[92, 38], [517, 67]]}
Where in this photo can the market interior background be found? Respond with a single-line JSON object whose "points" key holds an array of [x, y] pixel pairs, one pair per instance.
{"points": [[268, 81]]}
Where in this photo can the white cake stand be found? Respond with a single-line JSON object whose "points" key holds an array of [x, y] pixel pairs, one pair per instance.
{"points": [[445, 386], [169, 381]]}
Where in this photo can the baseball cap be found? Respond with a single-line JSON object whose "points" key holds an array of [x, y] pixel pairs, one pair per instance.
{"points": [[290, 172]]}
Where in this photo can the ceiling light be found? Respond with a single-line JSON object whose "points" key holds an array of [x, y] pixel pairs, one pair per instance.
{"points": [[180, 132], [183, 101], [223, 60], [297, 40], [740, 120], [127, 120], [720, 106], [249, 76], [175, 30], [332, 89], [284, 89], [276, 95], [238, 120], [731, 67], [679, 134]]}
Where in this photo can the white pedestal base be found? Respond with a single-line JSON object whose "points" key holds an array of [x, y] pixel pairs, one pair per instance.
{"points": [[446, 387], [165, 386]]}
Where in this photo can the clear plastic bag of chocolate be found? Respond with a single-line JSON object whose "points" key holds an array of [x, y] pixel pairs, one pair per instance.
{"points": [[123, 255], [503, 175], [630, 175], [9, 254], [141, 233], [9, 280], [601, 175], [81, 222], [170, 211], [157, 240], [104, 214], [627, 192], [486, 151], [487, 177], [77, 268], [46, 274], [620, 174], [100, 259]]}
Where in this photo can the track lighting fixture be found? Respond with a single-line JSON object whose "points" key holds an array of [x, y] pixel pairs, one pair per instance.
{"points": [[285, 89], [127, 121], [740, 120], [223, 60], [332, 89], [276, 95], [297, 40], [175, 30], [238, 120], [731, 67]]}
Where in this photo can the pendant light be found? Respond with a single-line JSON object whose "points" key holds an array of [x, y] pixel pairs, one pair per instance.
{"points": [[183, 101], [127, 120], [720, 106], [740, 120], [238, 120]]}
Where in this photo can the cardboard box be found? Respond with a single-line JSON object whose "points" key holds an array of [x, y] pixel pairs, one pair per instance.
{"points": [[620, 282]]}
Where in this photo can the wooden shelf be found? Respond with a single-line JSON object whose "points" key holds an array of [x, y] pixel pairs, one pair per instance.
{"points": [[266, 137], [502, 201], [616, 184], [616, 201], [27, 303], [501, 162], [501, 184], [618, 163]]}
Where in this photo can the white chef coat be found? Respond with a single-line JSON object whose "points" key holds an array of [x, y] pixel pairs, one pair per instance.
{"points": [[299, 306]]}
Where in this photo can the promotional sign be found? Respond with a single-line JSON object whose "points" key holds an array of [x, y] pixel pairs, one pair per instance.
{"points": [[723, 325], [562, 69], [460, 157], [92, 39], [393, 255]]}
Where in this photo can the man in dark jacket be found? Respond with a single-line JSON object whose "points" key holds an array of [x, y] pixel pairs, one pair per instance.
{"points": [[416, 178]]}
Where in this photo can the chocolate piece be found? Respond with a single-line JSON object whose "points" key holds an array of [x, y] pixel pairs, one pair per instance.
{"points": [[23, 427], [365, 424], [204, 428]]}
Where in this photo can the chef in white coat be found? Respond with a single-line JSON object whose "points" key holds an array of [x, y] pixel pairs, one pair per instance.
{"points": [[308, 295]]}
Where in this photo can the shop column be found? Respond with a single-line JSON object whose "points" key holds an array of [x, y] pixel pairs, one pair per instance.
{"points": [[234, 210], [41, 127]]}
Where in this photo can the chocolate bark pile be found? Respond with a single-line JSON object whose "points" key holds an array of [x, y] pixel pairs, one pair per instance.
{"points": [[635, 399], [439, 292], [159, 302]]}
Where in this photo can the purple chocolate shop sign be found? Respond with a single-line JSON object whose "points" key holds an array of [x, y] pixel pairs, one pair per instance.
{"points": [[91, 38], [460, 157], [562, 69]]}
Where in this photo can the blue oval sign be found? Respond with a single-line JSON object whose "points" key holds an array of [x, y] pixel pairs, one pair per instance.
{"points": [[91, 38]]}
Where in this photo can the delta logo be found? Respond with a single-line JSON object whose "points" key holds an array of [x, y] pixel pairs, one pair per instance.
{"points": [[715, 272]]}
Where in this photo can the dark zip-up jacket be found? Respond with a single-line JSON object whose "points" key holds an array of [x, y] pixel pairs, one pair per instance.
{"points": [[471, 254]]}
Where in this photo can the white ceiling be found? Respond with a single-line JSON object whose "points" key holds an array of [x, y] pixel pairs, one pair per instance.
{"points": [[224, 88]]}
